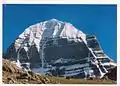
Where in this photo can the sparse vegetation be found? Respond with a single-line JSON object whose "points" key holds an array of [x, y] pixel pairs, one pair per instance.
{"points": [[14, 75]]}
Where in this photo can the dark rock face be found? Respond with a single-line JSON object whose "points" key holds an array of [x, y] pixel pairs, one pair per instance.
{"points": [[11, 52], [34, 56], [112, 74], [66, 50]]}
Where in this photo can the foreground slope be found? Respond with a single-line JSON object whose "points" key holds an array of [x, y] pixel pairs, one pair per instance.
{"points": [[14, 75]]}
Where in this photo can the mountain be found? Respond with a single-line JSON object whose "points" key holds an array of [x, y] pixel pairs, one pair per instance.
{"points": [[59, 49]]}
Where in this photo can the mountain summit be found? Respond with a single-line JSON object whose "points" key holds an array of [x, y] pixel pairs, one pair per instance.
{"points": [[57, 48]]}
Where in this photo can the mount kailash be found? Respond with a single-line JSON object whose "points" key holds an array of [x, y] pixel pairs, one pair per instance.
{"points": [[58, 48]]}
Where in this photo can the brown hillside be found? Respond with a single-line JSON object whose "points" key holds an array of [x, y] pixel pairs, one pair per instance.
{"points": [[13, 74]]}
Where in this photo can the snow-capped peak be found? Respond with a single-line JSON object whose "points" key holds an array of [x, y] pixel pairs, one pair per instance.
{"points": [[55, 45], [49, 29]]}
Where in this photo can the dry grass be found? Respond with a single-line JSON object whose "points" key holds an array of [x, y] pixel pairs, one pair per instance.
{"points": [[81, 81]]}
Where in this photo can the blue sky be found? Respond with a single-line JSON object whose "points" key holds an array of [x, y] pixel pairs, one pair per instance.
{"points": [[100, 20]]}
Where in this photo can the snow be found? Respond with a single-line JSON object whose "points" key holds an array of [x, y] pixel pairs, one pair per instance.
{"points": [[59, 60], [18, 63], [37, 41], [113, 63], [26, 49], [71, 74], [73, 71], [54, 28], [76, 66], [110, 63], [38, 70], [55, 31]]}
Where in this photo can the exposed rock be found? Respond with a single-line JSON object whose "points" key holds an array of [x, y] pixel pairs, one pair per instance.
{"points": [[112, 74], [13, 74]]}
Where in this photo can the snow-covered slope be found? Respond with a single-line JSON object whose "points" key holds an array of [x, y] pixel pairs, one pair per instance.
{"points": [[58, 48], [48, 29]]}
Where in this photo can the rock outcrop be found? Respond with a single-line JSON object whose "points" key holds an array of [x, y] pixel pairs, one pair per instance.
{"points": [[112, 74], [14, 75]]}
